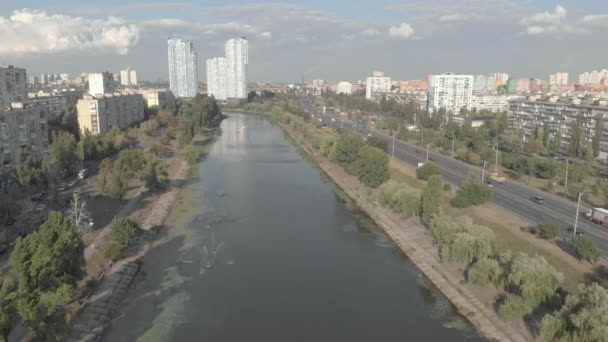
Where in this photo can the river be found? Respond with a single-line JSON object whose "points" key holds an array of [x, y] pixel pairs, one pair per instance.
{"points": [[263, 249]]}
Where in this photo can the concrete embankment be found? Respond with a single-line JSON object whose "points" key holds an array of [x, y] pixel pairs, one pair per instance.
{"points": [[415, 242]]}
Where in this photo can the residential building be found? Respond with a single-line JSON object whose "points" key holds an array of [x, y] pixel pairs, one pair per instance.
{"points": [[237, 61], [512, 86], [558, 112], [128, 77], [156, 97], [217, 78], [344, 88], [593, 77], [417, 96], [22, 126], [481, 82], [558, 79], [523, 85], [57, 104], [492, 102], [101, 83], [451, 92], [377, 83], [13, 85], [100, 114], [183, 68]]}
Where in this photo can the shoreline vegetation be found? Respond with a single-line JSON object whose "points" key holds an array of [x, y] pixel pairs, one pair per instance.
{"points": [[504, 286]]}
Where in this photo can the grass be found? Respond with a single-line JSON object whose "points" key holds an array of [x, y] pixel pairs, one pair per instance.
{"points": [[508, 233]]}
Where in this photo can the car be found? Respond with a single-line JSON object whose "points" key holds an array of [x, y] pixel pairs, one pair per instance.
{"points": [[538, 199], [82, 174], [40, 207], [38, 197], [72, 183], [418, 150], [63, 186], [579, 232]]}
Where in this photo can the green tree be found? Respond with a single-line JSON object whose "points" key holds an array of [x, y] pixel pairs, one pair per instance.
{"points": [[598, 134], [546, 230], [586, 248], [371, 166], [63, 150], [431, 198], [575, 136], [347, 149], [472, 192], [461, 240], [583, 317], [427, 170], [123, 231], [48, 264], [7, 306], [27, 170], [377, 142], [485, 271]]}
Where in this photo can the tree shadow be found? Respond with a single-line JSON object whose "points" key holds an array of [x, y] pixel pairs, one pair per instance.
{"points": [[598, 275]]}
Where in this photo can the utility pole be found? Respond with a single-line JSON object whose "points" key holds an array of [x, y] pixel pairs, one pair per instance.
{"points": [[496, 152], [427, 152], [566, 181], [394, 144], [453, 135], [483, 171], [578, 204]]}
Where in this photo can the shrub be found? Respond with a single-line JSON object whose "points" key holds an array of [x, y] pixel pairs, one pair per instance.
{"points": [[123, 231], [461, 240], [171, 134], [585, 248], [514, 306], [191, 154], [471, 193], [431, 199], [485, 271], [377, 142], [371, 166], [427, 170], [546, 230], [113, 251], [347, 149], [406, 202], [447, 187], [386, 191]]}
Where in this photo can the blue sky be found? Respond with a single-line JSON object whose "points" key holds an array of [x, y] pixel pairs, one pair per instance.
{"points": [[334, 40]]}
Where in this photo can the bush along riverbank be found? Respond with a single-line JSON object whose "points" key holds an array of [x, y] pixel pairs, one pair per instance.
{"points": [[506, 297]]}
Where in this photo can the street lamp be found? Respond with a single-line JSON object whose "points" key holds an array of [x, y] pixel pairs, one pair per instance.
{"points": [[453, 136], [427, 152], [578, 204]]}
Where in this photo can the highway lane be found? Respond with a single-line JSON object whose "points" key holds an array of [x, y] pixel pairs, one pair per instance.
{"points": [[511, 196]]}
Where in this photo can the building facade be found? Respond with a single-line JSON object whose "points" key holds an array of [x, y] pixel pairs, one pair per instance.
{"points": [[128, 77], [57, 104], [378, 83], [494, 103], [23, 126], [558, 79], [528, 114], [101, 83], [156, 97], [417, 96], [593, 77], [13, 85], [237, 61], [100, 114], [217, 78], [344, 88], [451, 92], [183, 68]]}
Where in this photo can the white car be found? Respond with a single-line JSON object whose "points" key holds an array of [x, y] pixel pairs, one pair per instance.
{"points": [[40, 207]]}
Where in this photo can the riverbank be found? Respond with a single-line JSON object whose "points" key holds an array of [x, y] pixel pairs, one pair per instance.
{"points": [[414, 241]]}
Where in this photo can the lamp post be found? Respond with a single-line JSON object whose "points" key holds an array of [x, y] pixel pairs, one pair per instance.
{"points": [[453, 136], [483, 171], [578, 204], [393, 152], [427, 152]]}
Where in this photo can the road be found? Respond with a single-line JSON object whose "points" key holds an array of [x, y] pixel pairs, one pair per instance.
{"points": [[511, 196]]}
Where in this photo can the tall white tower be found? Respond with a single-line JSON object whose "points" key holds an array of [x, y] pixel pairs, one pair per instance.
{"points": [[237, 60], [217, 78], [183, 70]]}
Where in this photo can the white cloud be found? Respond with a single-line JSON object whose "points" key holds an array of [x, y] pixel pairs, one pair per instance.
{"points": [[209, 29], [34, 31], [265, 35], [401, 31], [459, 17], [370, 32], [549, 22], [596, 19]]}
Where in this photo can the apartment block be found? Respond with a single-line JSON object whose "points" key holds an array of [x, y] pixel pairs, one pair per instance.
{"points": [[217, 78], [378, 83], [183, 68], [23, 126], [558, 112], [128, 77], [57, 104], [156, 97], [495, 103], [451, 92], [100, 114], [418, 96], [13, 85], [101, 83]]}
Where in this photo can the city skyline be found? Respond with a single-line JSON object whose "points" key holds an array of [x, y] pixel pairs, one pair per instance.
{"points": [[406, 39]]}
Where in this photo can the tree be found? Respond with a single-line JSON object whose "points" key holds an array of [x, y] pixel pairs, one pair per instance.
{"points": [[575, 136], [546, 230], [7, 306], [598, 134], [63, 150], [48, 264], [485, 271], [583, 317], [377, 142], [79, 214], [371, 166], [586, 248], [427, 170], [471, 193], [27, 170], [153, 173], [123, 231], [431, 198], [461, 240], [347, 149]]}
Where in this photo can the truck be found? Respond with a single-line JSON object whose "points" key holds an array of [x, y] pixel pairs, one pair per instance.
{"points": [[598, 215], [496, 178]]}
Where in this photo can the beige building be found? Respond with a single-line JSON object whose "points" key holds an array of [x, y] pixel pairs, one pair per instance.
{"points": [[101, 83], [100, 114], [23, 126], [13, 85], [156, 97]]}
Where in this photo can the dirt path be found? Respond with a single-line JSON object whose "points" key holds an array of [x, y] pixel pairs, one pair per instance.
{"points": [[419, 247]]}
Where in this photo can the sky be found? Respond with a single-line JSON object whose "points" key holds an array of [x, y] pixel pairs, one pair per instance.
{"points": [[295, 39]]}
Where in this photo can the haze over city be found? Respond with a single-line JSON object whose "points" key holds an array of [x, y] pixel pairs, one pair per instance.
{"points": [[314, 39]]}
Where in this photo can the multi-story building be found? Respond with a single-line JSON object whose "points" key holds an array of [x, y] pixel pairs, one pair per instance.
{"points": [[593, 77], [22, 126], [217, 78], [344, 88], [101, 83], [512, 86], [378, 83], [451, 92], [417, 96], [128, 77], [527, 114], [237, 61], [100, 114], [183, 68], [156, 97], [523, 85], [558, 79], [481, 82], [491, 102], [57, 104], [13, 85]]}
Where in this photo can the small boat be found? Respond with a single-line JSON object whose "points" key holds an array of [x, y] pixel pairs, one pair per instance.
{"points": [[220, 194]]}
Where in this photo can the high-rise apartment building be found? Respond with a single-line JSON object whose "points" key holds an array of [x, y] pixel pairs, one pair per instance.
{"points": [[593, 77], [237, 61], [344, 88], [451, 92], [183, 68], [128, 77], [378, 83], [101, 83], [558, 79], [13, 85], [523, 85], [217, 78]]}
